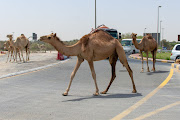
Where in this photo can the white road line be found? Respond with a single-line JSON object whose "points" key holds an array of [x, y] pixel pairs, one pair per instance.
{"points": [[31, 70]]}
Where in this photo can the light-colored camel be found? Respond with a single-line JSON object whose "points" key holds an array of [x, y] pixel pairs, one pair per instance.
{"points": [[20, 43], [42, 47], [148, 43], [10, 50], [92, 47]]}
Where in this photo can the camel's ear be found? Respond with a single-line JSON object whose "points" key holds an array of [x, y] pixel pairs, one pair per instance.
{"points": [[54, 35]]}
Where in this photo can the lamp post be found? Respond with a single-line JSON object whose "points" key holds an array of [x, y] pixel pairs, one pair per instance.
{"points": [[160, 31], [95, 14], [158, 25]]}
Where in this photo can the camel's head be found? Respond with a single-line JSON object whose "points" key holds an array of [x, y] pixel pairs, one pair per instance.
{"points": [[6, 45], [134, 35], [9, 36], [48, 38]]}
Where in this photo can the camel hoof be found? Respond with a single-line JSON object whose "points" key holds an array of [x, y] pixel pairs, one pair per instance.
{"points": [[65, 94], [104, 92], [153, 70], [148, 71], [134, 91], [96, 94]]}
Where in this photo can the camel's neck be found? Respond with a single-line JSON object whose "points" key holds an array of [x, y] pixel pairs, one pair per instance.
{"points": [[73, 50], [11, 42], [137, 46]]}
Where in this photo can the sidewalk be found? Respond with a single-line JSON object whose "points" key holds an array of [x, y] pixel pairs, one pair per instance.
{"points": [[174, 65]]}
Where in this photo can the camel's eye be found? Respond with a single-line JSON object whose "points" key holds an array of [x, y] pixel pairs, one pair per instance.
{"points": [[49, 37]]}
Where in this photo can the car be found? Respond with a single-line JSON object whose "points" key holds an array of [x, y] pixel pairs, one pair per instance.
{"points": [[175, 53], [128, 46]]}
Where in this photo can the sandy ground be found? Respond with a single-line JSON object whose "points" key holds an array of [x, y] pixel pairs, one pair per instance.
{"points": [[36, 60]]}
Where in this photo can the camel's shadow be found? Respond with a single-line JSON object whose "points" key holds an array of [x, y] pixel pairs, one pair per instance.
{"points": [[156, 72], [105, 97]]}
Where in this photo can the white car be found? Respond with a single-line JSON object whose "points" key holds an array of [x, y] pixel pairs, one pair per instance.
{"points": [[175, 53], [128, 46]]}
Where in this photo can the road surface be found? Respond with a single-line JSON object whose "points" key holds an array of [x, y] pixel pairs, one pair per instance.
{"points": [[38, 95]]}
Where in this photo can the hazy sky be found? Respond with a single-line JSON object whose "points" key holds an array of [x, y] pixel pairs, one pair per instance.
{"points": [[71, 19]]}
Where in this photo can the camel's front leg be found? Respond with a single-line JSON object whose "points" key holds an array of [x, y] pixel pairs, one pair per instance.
{"points": [[147, 61], [11, 56], [79, 61], [113, 71], [8, 56], [142, 70], [91, 65]]}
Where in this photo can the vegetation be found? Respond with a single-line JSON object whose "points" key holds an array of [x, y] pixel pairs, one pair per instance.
{"points": [[162, 55], [128, 36], [168, 45]]}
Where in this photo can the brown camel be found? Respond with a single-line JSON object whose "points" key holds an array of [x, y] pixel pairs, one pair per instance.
{"points": [[148, 43], [92, 47], [10, 50], [20, 43]]}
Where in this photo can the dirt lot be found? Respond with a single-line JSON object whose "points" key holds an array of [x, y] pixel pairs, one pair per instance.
{"points": [[36, 60]]}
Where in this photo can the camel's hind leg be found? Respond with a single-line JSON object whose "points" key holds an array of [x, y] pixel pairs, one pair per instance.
{"points": [[154, 59], [112, 61], [123, 60], [142, 70], [147, 61], [79, 61], [22, 55]]}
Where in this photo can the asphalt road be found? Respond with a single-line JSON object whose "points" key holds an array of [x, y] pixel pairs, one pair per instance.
{"points": [[38, 95]]}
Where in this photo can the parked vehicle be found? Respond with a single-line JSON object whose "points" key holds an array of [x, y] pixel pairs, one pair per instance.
{"points": [[128, 46], [112, 32], [175, 53]]}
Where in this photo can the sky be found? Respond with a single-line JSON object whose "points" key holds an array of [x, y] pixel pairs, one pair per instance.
{"points": [[71, 19]]}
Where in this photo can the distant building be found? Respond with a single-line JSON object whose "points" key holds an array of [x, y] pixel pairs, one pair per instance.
{"points": [[154, 35], [34, 36]]}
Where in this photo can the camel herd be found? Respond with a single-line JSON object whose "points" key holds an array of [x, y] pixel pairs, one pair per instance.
{"points": [[94, 46], [17, 47]]}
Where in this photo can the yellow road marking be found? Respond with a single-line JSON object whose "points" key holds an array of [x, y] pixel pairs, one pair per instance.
{"points": [[157, 111], [143, 100]]}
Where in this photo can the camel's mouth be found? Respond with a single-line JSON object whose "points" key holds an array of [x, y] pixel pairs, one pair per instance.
{"points": [[42, 39]]}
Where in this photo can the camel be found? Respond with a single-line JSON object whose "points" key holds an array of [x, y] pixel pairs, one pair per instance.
{"points": [[92, 47], [10, 50], [148, 43], [20, 43], [42, 47]]}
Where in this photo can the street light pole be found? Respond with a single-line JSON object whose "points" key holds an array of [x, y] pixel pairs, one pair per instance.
{"points": [[158, 25], [95, 14], [162, 36], [160, 31]]}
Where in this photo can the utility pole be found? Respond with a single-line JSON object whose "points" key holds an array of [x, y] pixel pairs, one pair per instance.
{"points": [[160, 32], [95, 14], [158, 25]]}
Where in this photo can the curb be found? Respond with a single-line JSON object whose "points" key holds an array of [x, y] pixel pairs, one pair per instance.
{"points": [[32, 70], [150, 59], [173, 65]]}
